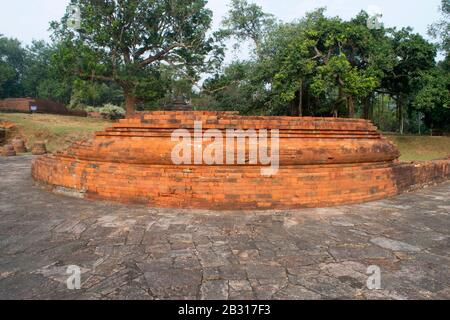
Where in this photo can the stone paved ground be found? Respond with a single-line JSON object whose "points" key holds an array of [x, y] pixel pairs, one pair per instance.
{"points": [[130, 252]]}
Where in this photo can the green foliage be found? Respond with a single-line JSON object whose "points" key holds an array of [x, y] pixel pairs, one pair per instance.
{"points": [[232, 90], [434, 92], [413, 55], [441, 29], [287, 53], [433, 99], [127, 41], [247, 21], [112, 112], [145, 53], [90, 109], [323, 66], [94, 94], [339, 72], [36, 69], [12, 58], [318, 62], [41, 78]]}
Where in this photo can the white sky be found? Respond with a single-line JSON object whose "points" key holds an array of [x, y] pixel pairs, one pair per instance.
{"points": [[29, 19]]}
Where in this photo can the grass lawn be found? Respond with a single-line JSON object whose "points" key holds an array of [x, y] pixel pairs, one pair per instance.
{"points": [[61, 131], [418, 148], [58, 131]]}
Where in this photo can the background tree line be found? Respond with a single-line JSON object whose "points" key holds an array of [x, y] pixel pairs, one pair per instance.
{"points": [[139, 54], [324, 66]]}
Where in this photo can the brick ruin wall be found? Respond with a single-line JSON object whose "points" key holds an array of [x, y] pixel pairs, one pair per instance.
{"points": [[323, 162], [43, 106]]}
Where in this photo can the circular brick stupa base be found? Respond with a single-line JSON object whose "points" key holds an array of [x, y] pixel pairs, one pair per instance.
{"points": [[322, 162]]}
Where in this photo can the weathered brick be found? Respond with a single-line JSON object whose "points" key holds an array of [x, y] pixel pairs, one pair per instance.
{"points": [[323, 162]]}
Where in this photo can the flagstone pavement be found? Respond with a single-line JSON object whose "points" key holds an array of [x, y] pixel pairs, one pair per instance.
{"points": [[134, 252]]}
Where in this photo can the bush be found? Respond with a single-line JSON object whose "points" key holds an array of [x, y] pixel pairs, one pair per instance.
{"points": [[75, 102], [90, 109], [112, 112]]}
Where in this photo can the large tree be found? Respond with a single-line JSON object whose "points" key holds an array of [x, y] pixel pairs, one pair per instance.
{"points": [[40, 78], [345, 70], [36, 67], [12, 57], [413, 56], [126, 41], [324, 66], [285, 56], [441, 29], [433, 99], [247, 21], [316, 58]]}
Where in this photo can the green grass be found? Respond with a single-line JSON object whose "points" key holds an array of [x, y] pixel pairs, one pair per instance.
{"points": [[58, 131], [421, 148]]}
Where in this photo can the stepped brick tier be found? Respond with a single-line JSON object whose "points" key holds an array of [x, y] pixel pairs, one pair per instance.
{"points": [[322, 162]]}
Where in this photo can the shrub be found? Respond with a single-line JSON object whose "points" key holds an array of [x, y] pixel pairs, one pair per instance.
{"points": [[90, 109], [112, 112]]}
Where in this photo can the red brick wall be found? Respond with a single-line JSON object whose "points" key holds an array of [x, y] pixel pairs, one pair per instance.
{"points": [[19, 105], [237, 187], [44, 106], [323, 162]]}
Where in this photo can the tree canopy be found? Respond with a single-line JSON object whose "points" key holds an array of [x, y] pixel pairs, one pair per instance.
{"points": [[325, 66], [11, 67], [126, 42], [140, 54]]}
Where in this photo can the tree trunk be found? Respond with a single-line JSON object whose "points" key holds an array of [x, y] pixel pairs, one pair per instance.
{"points": [[365, 110], [308, 103], [292, 109], [341, 99], [400, 114], [418, 120], [351, 107], [300, 100], [371, 103], [381, 114], [130, 101]]}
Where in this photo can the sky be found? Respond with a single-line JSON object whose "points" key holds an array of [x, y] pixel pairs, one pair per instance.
{"points": [[29, 19]]}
